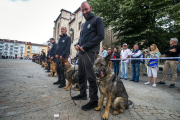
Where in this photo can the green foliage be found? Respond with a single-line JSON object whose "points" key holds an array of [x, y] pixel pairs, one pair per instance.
{"points": [[144, 22]]}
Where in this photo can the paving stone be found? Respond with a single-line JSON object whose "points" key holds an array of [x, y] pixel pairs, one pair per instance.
{"points": [[166, 116], [153, 111], [175, 117], [152, 117], [159, 116]]}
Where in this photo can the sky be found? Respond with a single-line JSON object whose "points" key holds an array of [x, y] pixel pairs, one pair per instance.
{"points": [[31, 20]]}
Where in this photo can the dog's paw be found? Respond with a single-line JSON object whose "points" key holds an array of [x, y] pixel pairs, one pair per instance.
{"points": [[56, 75], [105, 117], [116, 112], [97, 109]]}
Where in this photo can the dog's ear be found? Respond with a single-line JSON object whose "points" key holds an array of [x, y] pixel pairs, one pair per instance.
{"points": [[107, 58], [64, 60]]}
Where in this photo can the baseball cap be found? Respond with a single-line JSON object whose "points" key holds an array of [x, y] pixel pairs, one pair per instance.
{"points": [[109, 48], [124, 44]]}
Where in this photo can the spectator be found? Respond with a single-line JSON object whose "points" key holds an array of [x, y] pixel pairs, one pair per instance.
{"points": [[152, 64], [135, 64], [172, 51], [142, 64], [178, 69], [124, 63], [104, 52], [109, 51], [178, 89], [116, 55]]}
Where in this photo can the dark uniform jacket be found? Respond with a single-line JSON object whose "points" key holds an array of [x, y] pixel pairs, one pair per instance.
{"points": [[63, 46], [43, 56], [92, 33], [53, 49], [48, 55]]}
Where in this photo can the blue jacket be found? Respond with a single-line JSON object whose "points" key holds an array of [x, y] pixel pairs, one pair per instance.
{"points": [[92, 33], [63, 47]]}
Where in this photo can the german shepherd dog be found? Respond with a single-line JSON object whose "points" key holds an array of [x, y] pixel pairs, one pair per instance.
{"points": [[111, 87], [53, 68], [71, 75]]}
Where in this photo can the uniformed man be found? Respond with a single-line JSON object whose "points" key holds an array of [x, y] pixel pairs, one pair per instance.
{"points": [[53, 50], [62, 52], [92, 33], [48, 57]]}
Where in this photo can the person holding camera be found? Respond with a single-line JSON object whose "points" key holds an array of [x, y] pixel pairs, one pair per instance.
{"points": [[152, 64]]}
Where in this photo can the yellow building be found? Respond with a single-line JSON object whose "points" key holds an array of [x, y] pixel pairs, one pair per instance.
{"points": [[34, 49]]}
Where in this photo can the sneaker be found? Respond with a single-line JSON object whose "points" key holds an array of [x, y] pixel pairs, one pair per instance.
{"points": [[147, 83], [144, 74], [90, 105], [121, 78], [79, 97], [154, 85], [161, 82], [172, 86], [132, 80], [56, 83], [125, 78]]}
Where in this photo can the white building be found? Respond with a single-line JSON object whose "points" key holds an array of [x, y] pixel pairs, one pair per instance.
{"points": [[12, 48]]}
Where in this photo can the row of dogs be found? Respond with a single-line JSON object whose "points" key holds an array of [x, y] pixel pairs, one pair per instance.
{"points": [[110, 86]]}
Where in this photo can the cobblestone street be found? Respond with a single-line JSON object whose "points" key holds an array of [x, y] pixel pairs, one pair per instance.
{"points": [[26, 92]]}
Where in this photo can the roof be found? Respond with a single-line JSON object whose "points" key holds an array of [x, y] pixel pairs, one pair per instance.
{"points": [[72, 20], [61, 12], [77, 10], [29, 43], [13, 41]]}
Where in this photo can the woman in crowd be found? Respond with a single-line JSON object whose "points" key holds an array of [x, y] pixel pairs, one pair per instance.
{"points": [[152, 64], [116, 55]]}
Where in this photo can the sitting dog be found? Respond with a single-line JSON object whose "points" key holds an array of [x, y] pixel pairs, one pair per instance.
{"points": [[53, 68], [46, 65], [71, 75], [111, 87]]}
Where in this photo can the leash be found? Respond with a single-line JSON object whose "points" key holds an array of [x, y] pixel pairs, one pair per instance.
{"points": [[71, 86]]}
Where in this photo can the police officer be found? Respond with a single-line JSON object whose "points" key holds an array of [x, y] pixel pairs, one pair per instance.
{"points": [[62, 52], [48, 57], [53, 50], [92, 33], [43, 56]]}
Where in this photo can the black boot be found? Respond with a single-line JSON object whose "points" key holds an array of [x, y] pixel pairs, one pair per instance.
{"points": [[58, 82], [62, 85], [90, 105], [80, 97]]}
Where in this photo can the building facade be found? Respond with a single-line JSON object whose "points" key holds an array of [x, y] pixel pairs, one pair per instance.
{"points": [[20, 49], [34, 49], [12, 48]]}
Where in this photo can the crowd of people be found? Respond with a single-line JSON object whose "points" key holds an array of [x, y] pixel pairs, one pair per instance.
{"points": [[149, 65]]}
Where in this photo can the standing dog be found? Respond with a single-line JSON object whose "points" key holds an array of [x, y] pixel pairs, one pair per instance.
{"points": [[111, 87], [71, 75], [53, 68]]}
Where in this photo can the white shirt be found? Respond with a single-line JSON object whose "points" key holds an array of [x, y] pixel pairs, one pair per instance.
{"points": [[124, 54]]}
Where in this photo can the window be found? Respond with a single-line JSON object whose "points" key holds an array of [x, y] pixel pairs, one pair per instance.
{"points": [[27, 54], [11, 45], [28, 51], [6, 45], [1, 47], [79, 25], [1, 43], [22, 47], [43, 49], [29, 47], [6, 48], [11, 48], [36, 49], [16, 48]]}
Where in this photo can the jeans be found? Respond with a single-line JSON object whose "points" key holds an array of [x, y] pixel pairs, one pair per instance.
{"points": [[178, 70], [135, 71], [124, 70], [116, 67]]}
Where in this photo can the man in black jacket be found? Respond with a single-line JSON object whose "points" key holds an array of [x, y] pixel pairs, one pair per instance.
{"points": [[92, 33], [62, 52], [48, 57], [53, 50], [172, 51]]}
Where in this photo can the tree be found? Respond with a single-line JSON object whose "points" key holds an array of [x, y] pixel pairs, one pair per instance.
{"points": [[144, 22]]}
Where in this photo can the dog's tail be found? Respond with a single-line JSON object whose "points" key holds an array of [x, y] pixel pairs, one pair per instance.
{"points": [[129, 103]]}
